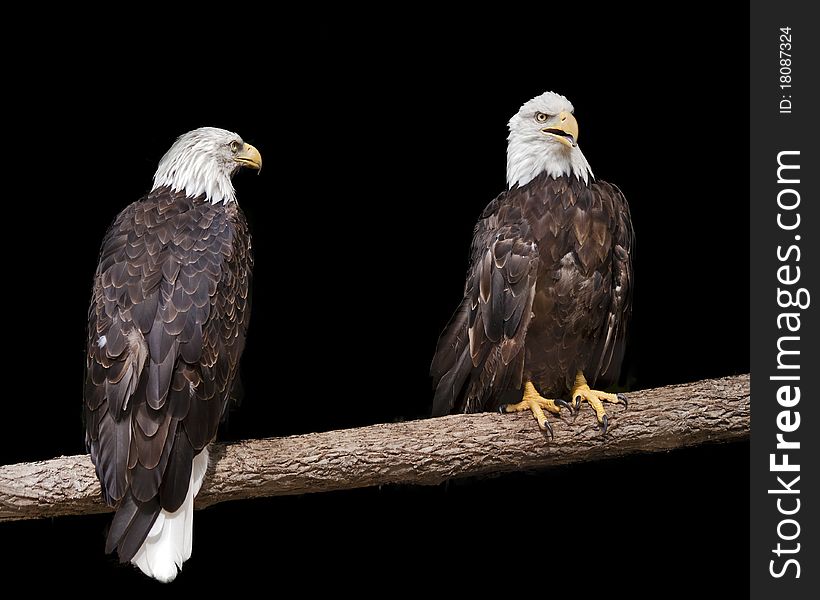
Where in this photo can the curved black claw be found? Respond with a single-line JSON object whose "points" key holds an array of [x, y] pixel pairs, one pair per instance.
{"points": [[564, 404], [502, 410], [577, 401], [604, 425], [623, 398], [548, 429]]}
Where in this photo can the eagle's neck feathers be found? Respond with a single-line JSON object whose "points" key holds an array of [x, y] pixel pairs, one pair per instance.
{"points": [[526, 159], [197, 174]]}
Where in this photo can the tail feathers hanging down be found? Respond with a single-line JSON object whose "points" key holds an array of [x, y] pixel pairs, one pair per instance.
{"points": [[452, 362], [450, 387], [170, 539]]}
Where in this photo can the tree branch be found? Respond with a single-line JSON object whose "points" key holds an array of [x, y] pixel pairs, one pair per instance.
{"points": [[417, 452]]}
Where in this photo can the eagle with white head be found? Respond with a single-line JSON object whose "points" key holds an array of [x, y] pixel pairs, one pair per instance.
{"points": [[548, 294], [166, 329]]}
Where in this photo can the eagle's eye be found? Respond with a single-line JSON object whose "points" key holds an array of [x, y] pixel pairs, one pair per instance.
{"points": [[541, 117], [235, 147]]}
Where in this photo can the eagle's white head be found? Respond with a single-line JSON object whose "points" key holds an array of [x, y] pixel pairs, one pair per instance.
{"points": [[203, 161], [544, 138]]}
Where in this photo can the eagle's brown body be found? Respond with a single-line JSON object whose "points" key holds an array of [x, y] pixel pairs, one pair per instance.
{"points": [[548, 295], [167, 323]]}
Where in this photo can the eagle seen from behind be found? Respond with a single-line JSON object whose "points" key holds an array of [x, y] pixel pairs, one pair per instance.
{"points": [[166, 328], [548, 294]]}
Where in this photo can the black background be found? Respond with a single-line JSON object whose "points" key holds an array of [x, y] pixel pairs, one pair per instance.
{"points": [[380, 152]]}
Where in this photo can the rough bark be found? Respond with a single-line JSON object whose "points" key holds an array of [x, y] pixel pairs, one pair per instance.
{"points": [[417, 452]]}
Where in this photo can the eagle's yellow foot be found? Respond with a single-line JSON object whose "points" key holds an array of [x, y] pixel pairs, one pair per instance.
{"points": [[537, 404], [595, 399]]}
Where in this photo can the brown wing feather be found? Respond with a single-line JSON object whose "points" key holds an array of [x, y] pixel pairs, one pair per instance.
{"points": [[480, 352], [613, 337], [167, 326]]}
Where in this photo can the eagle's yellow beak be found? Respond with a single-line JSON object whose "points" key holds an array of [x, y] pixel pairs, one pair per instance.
{"points": [[249, 157], [565, 130]]}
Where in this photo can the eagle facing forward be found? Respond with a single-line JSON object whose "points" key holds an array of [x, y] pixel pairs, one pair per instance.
{"points": [[166, 328], [548, 293]]}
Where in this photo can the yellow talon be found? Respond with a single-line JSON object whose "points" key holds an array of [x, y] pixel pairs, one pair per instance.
{"points": [[537, 404], [595, 398]]}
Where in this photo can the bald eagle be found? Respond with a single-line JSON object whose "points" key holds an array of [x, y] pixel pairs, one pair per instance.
{"points": [[166, 328], [548, 294]]}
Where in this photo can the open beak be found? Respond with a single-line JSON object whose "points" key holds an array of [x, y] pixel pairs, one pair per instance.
{"points": [[249, 157], [566, 130]]}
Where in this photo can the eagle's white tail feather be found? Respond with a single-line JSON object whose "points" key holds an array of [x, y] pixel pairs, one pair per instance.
{"points": [[170, 540]]}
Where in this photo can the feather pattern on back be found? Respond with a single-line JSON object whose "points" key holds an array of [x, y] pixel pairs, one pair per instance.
{"points": [[167, 326]]}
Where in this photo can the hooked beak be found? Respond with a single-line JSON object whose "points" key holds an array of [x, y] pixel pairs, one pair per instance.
{"points": [[249, 157], [566, 130]]}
